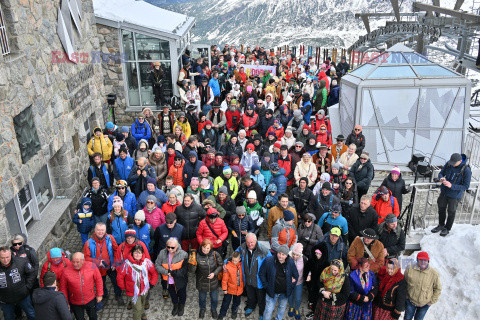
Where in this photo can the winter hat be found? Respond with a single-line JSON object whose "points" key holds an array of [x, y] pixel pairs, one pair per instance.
{"points": [[212, 212], [130, 233], [383, 190], [96, 130], [161, 139], [283, 249], [227, 170], [208, 122], [267, 154], [252, 195], [284, 147], [177, 157], [255, 167], [336, 165], [55, 253], [256, 136], [235, 169], [241, 210], [249, 89], [109, 126], [250, 146], [326, 185], [272, 187], [276, 121], [305, 126], [297, 249], [269, 111], [205, 184], [391, 218], [152, 198], [299, 143], [140, 215], [422, 255], [336, 231], [369, 234], [117, 201], [125, 129], [119, 137], [203, 169], [223, 189], [171, 146], [271, 133], [192, 154], [170, 217], [288, 215], [289, 129], [194, 182], [297, 113], [277, 145], [395, 170], [337, 208], [304, 179], [321, 112], [325, 177]]}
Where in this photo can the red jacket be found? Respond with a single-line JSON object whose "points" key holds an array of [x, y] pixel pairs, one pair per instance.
{"points": [[279, 133], [248, 122], [323, 76], [317, 122], [201, 125], [155, 218], [289, 167], [325, 138], [124, 275], [56, 268], [177, 174], [231, 116], [204, 232], [167, 207], [79, 285], [124, 248], [385, 207], [101, 253]]}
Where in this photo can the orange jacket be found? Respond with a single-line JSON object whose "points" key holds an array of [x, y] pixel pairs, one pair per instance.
{"points": [[177, 174], [385, 207], [168, 207], [232, 280]]}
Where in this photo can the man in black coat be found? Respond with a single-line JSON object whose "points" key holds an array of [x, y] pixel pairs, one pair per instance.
{"points": [[265, 122], [392, 236], [301, 197], [48, 302], [99, 198], [226, 202], [360, 217], [17, 278], [138, 177], [247, 185]]}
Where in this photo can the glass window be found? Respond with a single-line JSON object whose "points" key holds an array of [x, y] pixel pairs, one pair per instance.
{"points": [[43, 188], [5, 49], [392, 72], [128, 45], [152, 48], [146, 89], [132, 83], [434, 71], [362, 71]]}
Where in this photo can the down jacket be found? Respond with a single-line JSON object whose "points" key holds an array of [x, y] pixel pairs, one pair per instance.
{"points": [[363, 176], [101, 145], [204, 231], [155, 218], [56, 268], [252, 269], [81, 286], [232, 281], [178, 267], [125, 279], [280, 181], [189, 218], [206, 264]]}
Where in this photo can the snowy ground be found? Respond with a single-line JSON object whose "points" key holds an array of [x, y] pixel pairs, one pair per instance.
{"points": [[457, 259]]}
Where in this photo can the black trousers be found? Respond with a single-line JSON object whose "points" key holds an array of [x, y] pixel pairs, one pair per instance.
{"points": [[159, 95], [79, 310], [446, 204], [256, 297], [226, 303], [179, 296]]}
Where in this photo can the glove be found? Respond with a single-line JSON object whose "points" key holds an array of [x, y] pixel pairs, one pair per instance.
{"points": [[395, 315], [377, 197], [350, 202]]}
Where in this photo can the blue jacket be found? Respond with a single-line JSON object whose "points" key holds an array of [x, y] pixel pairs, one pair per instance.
{"points": [[88, 219], [159, 194], [326, 222], [279, 180], [161, 236], [260, 179], [334, 95], [191, 170], [129, 203], [118, 227], [267, 174], [251, 275], [307, 111], [460, 182], [141, 130], [268, 272], [143, 234], [122, 168], [213, 83], [337, 251], [236, 224]]}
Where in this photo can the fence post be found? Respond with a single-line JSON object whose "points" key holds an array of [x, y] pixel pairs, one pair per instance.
{"points": [[474, 203]]}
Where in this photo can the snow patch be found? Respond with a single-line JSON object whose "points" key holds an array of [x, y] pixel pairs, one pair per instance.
{"points": [[457, 258]]}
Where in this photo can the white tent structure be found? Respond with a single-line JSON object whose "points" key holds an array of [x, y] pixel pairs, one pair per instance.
{"points": [[406, 104]]}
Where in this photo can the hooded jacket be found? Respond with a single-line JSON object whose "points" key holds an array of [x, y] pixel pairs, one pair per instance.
{"points": [[248, 160], [56, 268], [160, 166], [397, 188], [363, 174], [123, 251], [308, 237], [232, 280], [141, 130], [88, 220], [279, 180], [187, 131], [265, 125], [232, 185], [154, 218], [118, 224], [307, 170], [177, 174], [358, 140], [161, 236], [189, 218], [297, 124], [204, 231], [103, 250], [277, 213], [81, 286], [191, 169], [101, 144], [459, 176], [50, 304]]}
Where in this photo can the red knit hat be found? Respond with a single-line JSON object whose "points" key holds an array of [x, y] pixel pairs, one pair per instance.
{"points": [[208, 122], [305, 126], [422, 255], [277, 145], [250, 146], [130, 233]]}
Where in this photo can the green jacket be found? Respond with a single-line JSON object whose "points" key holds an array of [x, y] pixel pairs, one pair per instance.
{"points": [[221, 211], [255, 212], [320, 99]]}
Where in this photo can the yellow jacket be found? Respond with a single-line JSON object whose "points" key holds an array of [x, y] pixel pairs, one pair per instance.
{"points": [[187, 131], [423, 286], [102, 145]]}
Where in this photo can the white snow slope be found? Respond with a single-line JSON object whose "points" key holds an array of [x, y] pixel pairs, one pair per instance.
{"points": [[457, 259]]}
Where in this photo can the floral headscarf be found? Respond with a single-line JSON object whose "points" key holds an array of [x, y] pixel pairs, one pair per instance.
{"points": [[333, 283]]}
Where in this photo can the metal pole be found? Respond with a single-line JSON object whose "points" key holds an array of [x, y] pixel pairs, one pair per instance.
{"points": [[472, 213]]}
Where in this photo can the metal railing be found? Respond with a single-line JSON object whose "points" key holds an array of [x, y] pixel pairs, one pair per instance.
{"points": [[424, 208]]}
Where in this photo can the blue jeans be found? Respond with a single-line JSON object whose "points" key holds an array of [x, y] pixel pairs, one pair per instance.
{"points": [[84, 237], [202, 299], [295, 298], [412, 310], [270, 305], [25, 304]]}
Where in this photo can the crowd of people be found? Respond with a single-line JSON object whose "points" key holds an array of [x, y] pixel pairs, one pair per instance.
{"points": [[192, 195]]}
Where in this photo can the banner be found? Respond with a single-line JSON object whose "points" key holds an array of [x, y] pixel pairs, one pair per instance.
{"points": [[256, 70]]}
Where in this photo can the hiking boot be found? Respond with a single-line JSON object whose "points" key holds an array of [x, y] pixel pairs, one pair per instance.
{"points": [[201, 314], [234, 315], [437, 229], [444, 232], [310, 316], [129, 305], [297, 315], [175, 309], [165, 294], [120, 300], [147, 305], [181, 309], [214, 314], [248, 312], [290, 312]]}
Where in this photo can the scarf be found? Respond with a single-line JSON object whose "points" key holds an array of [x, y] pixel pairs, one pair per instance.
{"points": [[139, 274], [387, 281], [333, 283]]}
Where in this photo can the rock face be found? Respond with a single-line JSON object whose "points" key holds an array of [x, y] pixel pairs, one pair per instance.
{"points": [[66, 101]]}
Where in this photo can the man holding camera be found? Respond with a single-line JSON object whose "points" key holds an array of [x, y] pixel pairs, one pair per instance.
{"points": [[455, 178]]}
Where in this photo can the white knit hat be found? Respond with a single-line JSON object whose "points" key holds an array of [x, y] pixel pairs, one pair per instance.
{"points": [[252, 194]]}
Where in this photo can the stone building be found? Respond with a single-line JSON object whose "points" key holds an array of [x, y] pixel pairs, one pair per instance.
{"points": [[48, 106], [137, 34]]}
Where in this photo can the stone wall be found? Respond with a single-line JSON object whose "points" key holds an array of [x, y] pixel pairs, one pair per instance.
{"points": [[63, 96]]}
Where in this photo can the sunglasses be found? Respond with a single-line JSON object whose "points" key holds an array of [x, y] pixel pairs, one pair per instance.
{"points": [[150, 201], [363, 159], [171, 248], [298, 146], [323, 129], [17, 244], [140, 118], [241, 215], [357, 129], [120, 188], [348, 183], [308, 221]]}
